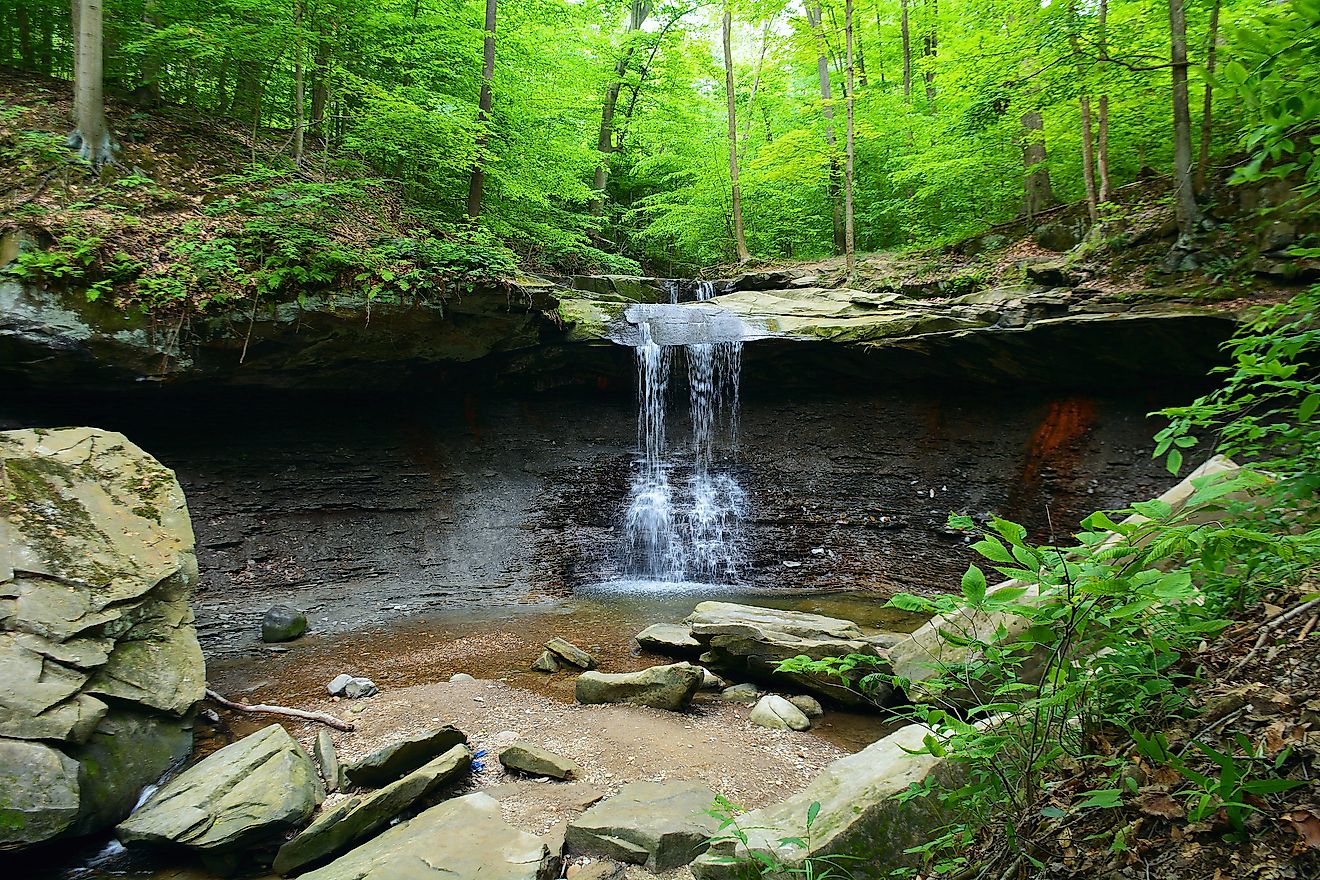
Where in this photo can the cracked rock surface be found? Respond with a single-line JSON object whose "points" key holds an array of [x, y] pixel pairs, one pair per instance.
{"points": [[99, 661]]}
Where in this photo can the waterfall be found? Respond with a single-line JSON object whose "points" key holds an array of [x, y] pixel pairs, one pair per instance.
{"points": [[690, 532]]}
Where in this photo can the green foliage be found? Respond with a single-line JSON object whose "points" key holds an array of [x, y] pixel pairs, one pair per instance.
{"points": [[1275, 70], [1095, 641], [771, 864]]}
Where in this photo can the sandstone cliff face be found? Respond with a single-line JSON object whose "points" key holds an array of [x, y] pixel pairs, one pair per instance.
{"points": [[99, 661]]}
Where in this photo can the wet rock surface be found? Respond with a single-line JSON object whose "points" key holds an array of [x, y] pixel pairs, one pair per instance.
{"points": [[240, 797], [367, 511]]}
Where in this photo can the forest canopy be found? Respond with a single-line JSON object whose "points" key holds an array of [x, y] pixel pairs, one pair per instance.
{"points": [[604, 135]]}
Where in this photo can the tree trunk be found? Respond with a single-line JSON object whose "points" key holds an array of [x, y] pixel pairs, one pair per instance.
{"points": [[605, 139], [1088, 159], [1207, 104], [25, 38], [299, 89], [756, 85], [320, 85], [47, 40], [1189, 215], [150, 63], [222, 85], [739, 239], [861, 59], [931, 49], [1038, 192], [1102, 121], [907, 52], [75, 33], [827, 111], [92, 136], [477, 184], [850, 239]]}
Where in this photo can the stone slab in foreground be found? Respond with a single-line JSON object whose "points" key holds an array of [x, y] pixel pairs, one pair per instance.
{"points": [[661, 825], [461, 839], [858, 815]]}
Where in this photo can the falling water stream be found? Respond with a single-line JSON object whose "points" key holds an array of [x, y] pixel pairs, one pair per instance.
{"points": [[685, 503]]}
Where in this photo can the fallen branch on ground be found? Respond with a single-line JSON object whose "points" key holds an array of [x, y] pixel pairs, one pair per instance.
{"points": [[322, 717]]}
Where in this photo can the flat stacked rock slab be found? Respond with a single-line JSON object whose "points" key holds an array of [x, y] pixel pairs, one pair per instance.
{"points": [[99, 661], [244, 796], [662, 825], [669, 687], [356, 819], [670, 639], [393, 761], [858, 815], [748, 641], [460, 839]]}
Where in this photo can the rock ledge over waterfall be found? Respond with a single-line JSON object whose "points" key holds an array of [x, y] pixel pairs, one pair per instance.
{"points": [[556, 332]]}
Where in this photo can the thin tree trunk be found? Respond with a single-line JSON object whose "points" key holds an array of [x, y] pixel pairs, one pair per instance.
{"points": [[756, 85], [25, 38], [850, 239], [739, 239], [47, 40], [1039, 195], [222, 84], [320, 84], [1088, 159], [1102, 121], [1207, 104], [477, 183], [299, 89], [1189, 214], [1088, 139], [605, 139], [150, 63], [827, 112], [92, 136], [907, 52], [861, 59], [932, 49]]}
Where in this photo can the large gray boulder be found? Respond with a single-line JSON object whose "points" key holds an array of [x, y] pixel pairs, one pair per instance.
{"points": [[662, 825], [669, 687], [859, 816], [97, 568], [243, 796], [747, 641], [387, 764], [460, 839], [356, 819]]}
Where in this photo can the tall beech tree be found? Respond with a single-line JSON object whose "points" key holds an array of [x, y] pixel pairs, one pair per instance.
{"points": [[477, 182], [735, 191], [92, 136]]}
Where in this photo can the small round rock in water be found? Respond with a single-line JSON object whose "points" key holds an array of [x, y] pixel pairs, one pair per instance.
{"points": [[283, 624], [741, 693]]}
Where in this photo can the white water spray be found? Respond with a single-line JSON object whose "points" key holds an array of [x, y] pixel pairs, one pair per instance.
{"points": [[689, 534]]}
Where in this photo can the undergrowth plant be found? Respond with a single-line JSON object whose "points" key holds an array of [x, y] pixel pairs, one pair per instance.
{"points": [[1087, 651], [758, 863]]}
